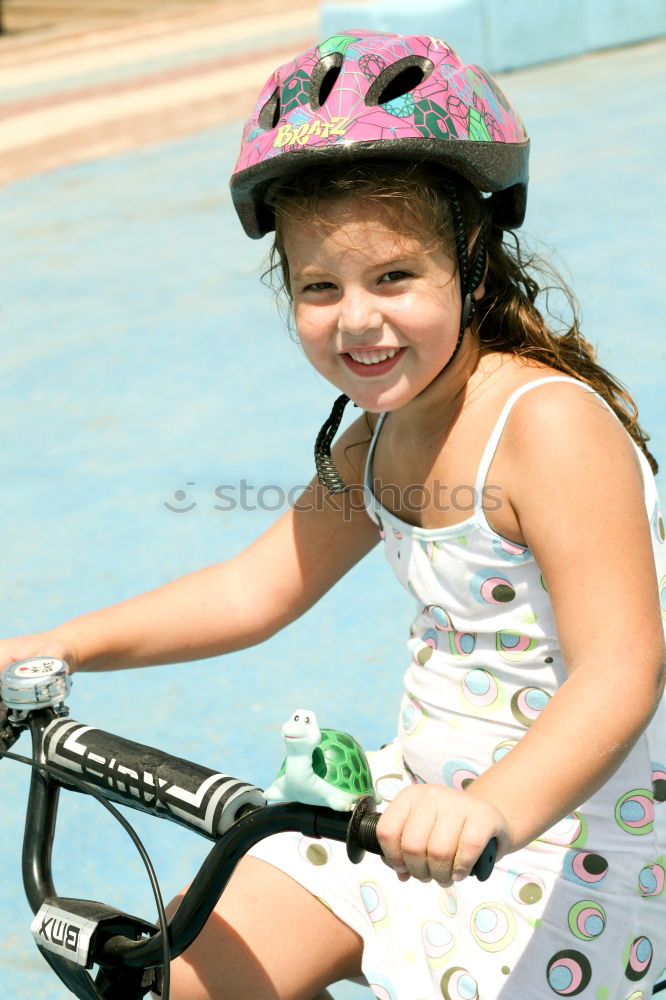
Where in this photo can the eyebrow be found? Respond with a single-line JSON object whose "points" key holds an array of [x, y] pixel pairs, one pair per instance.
{"points": [[394, 261], [307, 272]]}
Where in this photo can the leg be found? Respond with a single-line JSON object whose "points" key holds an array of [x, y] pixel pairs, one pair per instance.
{"points": [[267, 939]]}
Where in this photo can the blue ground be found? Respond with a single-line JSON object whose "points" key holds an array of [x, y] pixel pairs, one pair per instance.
{"points": [[141, 357]]}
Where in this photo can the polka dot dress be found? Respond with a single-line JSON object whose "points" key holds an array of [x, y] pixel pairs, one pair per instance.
{"points": [[580, 912]]}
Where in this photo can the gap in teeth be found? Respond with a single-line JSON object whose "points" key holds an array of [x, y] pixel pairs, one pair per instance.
{"points": [[372, 357]]}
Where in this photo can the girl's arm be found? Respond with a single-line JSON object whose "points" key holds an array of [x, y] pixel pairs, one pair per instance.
{"points": [[576, 487], [213, 611], [582, 511]]}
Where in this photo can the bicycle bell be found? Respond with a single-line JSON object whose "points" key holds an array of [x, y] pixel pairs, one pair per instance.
{"points": [[38, 682]]}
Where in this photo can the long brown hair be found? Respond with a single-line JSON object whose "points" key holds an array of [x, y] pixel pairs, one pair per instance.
{"points": [[508, 319]]}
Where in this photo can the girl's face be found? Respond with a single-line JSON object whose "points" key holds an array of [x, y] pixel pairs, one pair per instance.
{"points": [[377, 312]]}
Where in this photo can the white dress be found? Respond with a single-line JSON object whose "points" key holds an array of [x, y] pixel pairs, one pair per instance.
{"points": [[580, 912]]}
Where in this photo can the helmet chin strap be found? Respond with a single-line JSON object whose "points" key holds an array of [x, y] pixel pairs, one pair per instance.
{"points": [[471, 276], [327, 474]]}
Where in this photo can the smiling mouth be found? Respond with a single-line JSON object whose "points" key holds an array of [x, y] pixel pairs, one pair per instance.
{"points": [[374, 362], [372, 357]]}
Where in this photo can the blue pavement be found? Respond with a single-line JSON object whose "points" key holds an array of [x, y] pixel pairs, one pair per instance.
{"points": [[144, 367]]}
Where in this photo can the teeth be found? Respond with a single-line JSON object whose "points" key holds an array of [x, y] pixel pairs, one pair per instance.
{"points": [[372, 357]]}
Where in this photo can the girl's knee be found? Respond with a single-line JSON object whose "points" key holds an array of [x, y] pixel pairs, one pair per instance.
{"points": [[267, 939]]}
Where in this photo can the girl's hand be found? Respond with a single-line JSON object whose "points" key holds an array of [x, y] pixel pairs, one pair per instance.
{"points": [[41, 644], [433, 832]]}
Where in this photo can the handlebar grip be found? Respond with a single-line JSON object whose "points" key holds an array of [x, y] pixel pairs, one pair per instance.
{"points": [[362, 837], [148, 779]]}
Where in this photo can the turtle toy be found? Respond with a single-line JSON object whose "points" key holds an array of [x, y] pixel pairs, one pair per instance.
{"points": [[323, 767]]}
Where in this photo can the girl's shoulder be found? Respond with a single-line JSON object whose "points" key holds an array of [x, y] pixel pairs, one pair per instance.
{"points": [[560, 435], [533, 400], [554, 441], [350, 451], [545, 405]]}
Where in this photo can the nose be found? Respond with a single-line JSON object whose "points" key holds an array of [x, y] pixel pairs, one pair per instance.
{"points": [[359, 313]]}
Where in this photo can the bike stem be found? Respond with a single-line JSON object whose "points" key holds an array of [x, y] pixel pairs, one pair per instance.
{"points": [[40, 823]]}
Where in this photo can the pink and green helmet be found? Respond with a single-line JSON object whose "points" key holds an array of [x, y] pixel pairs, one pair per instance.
{"points": [[366, 94]]}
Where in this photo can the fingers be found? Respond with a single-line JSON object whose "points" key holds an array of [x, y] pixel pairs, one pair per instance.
{"points": [[389, 834], [430, 832], [471, 845], [411, 843], [412, 839]]}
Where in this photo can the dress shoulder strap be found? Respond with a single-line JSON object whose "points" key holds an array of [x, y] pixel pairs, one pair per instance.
{"points": [[496, 433]]}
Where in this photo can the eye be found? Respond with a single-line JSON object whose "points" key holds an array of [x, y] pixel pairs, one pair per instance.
{"points": [[319, 286], [392, 276]]}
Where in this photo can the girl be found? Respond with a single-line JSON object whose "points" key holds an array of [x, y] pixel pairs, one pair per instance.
{"points": [[532, 712]]}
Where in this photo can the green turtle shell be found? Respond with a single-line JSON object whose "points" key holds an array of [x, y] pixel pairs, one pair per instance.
{"points": [[341, 761]]}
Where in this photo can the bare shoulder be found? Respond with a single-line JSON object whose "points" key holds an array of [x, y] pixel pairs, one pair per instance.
{"points": [[562, 448], [569, 457], [350, 451], [564, 417], [319, 538]]}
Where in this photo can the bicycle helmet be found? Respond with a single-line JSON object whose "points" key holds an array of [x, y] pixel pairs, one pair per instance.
{"points": [[367, 94]]}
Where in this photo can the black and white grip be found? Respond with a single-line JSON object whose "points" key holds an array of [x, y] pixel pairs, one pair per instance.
{"points": [[149, 779]]}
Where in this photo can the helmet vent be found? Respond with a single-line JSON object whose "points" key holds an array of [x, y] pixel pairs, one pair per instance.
{"points": [[269, 115], [398, 79], [323, 78]]}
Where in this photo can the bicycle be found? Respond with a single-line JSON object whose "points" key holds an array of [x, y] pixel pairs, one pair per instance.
{"points": [[77, 936]]}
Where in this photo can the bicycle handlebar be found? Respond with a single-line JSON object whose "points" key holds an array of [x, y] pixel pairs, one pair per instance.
{"points": [[75, 934], [203, 800]]}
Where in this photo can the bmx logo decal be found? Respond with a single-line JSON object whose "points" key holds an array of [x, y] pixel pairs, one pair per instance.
{"points": [[64, 933], [195, 796], [59, 932]]}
